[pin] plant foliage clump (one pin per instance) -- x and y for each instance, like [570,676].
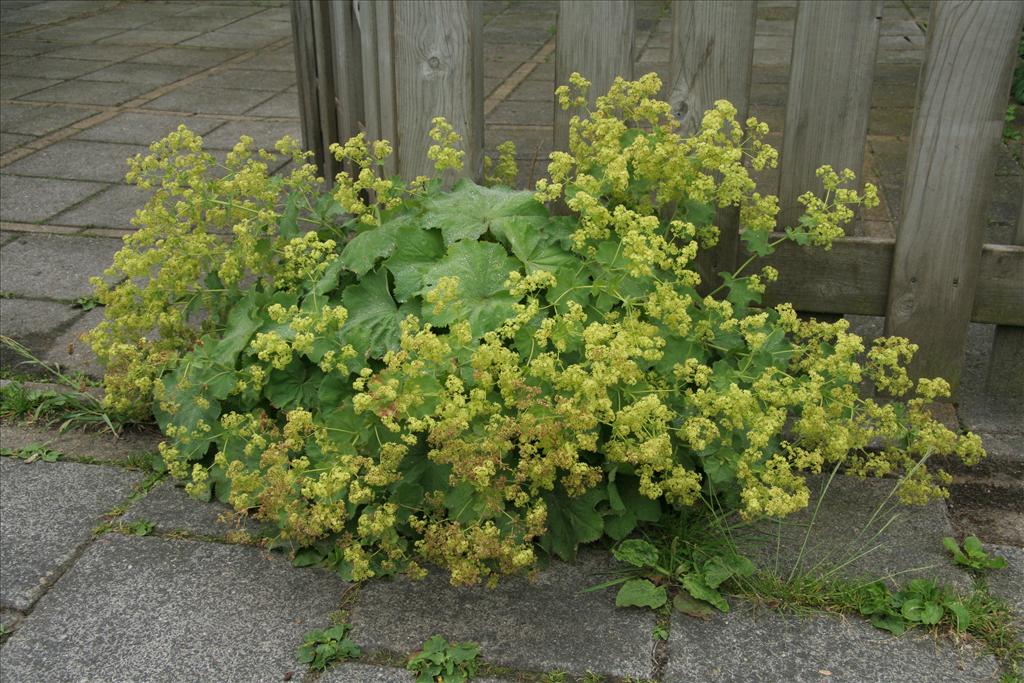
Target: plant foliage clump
[396,372]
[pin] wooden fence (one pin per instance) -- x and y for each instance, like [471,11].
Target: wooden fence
[389,66]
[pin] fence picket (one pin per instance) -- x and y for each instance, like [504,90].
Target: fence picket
[834,46]
[711,56]
[596,39]
[957,127]
[305,66]
[347,69]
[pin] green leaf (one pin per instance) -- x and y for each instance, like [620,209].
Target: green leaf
[373,321]
[482,269]
[690,606]
[537,251]
[740,294]
[757,241]
[960,613]
[636,552]
[572,521]
[470,210]
[891,623]
[696,587]
[641,593]
[237,333]
[416,252]
[617,527]
[362,253]
[296,385]
[288,226]
[307,557]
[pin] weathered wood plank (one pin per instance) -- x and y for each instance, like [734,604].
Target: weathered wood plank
[852,278]
[961,102]
[438,71]
[323,54]
[348,69]
[375,24]
[305,66]
[833,63]
[595,39]
[1006,363]
[711,56]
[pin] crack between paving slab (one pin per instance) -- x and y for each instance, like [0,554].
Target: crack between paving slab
[108,112]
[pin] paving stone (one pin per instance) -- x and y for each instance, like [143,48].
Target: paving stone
[49,510]
[32,323]
[284,105]
[535,89]
[78,160]
[198,24]
[258,25]
[52,67]
[36,119]
[240,41]
[30,200]
[102,53]
[171,610]
[907,548]
[10,619]
[520,112]
[195,98]
[187,56]
[170,508]
[273,60]
[150,74]
[113,19]
[368,673]
[9,141]
[263,133]
[148,36]
[753,645]
[1008,583]
[549,624]
[113,208]
[96,445]
[528,139]
[220,11]
[139,128]
[57,266]
[13,86]
[250,79]
[24,47]
[980,411]
[70,34]
[90,92]
[71,352]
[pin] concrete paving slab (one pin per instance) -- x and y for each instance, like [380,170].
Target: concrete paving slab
[172,610]
[284,104]
[25,47]
[368,673]
[94,445]
[102,53]
[53,67]
[194,98]
[264,133]
[908,547]
[14,86]
[89,92]
[56,266]
[751,645]
[549,624]
[33,323]
[78,160]
[9,141]
[49,511]
[250,79]
[32,200]
[71,352]
[112,208]
[187,55]
[272,60]
[198,24]
[149,36]
[150,74]
[10,619]
[1008,583]
[36,119]
[140,128]
[170,508]
[239,41]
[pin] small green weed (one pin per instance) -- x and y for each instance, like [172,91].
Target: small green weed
[142,527]
[321,648]
[442,662]
[86,303]
[33,452]
[973,555]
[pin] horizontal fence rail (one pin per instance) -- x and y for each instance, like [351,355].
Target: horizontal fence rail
[388,67]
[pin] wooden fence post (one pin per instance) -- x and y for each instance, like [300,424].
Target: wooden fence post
[711,57]
[1006,363]
[325,50]
[347,68]
[595,39]
[375,24]
[961,103]
[834,46]
[305,66]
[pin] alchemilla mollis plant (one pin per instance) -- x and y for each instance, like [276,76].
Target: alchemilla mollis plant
[397,373]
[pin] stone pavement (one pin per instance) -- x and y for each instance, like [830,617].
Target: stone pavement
[86,83]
